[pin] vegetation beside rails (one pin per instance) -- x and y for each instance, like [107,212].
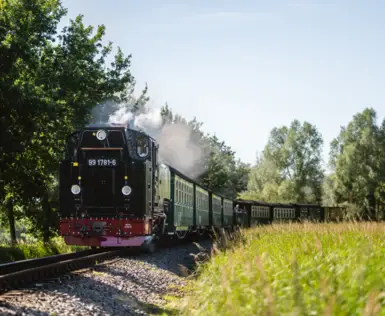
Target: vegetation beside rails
[34,249]
[300,269]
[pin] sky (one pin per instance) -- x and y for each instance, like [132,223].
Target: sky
[245,67]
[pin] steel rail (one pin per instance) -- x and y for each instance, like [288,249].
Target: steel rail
[9,267]
[63,264]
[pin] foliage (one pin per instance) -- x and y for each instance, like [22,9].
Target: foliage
[48,87]
[289,168]
[223,173]
[22,226]
[35,249]
[302,269]
[328,192]
[26,28]
[357,160]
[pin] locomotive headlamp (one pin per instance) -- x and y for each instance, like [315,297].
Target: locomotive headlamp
[101,134]
[75,189]
[126,190]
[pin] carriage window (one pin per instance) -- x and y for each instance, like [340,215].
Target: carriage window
[142,147]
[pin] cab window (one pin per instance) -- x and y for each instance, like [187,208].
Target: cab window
[142,148]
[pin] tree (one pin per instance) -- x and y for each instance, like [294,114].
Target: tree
[289,169]
[380,190]
[328,190]
[263,173]
[47,89]
[357,159]
[238,179]
[224,174]
[219,163]
[215,166]
[25,27]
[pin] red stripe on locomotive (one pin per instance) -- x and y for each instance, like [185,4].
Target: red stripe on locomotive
[105,232]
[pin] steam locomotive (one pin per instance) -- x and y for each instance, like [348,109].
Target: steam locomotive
[115,193]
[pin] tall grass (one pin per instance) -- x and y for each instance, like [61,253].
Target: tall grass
[295,269]
[29,246]
[34,249]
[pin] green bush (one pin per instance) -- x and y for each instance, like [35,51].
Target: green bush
[31,250]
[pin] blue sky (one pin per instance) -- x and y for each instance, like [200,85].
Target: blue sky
[244,67]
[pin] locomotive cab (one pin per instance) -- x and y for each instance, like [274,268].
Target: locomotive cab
[107,185]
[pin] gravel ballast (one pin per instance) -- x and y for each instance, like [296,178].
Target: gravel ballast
[124,286]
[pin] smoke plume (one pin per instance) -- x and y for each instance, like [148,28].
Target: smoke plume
[181,149]
[121,117]
[179,145]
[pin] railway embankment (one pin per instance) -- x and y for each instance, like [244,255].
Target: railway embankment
[140,284]
[305,269]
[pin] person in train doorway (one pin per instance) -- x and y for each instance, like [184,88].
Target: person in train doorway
[238,214]
[239,210]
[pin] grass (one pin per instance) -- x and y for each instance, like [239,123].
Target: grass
[294,269]
[35,249]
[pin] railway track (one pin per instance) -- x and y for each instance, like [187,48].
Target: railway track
[19,273]
[16,274]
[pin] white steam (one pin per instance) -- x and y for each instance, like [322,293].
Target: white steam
[150,121]
[180,149]
[121,117]
[179,146]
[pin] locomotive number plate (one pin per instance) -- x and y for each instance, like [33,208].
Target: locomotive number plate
[101,162]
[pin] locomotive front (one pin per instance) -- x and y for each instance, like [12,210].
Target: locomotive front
[107,187]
